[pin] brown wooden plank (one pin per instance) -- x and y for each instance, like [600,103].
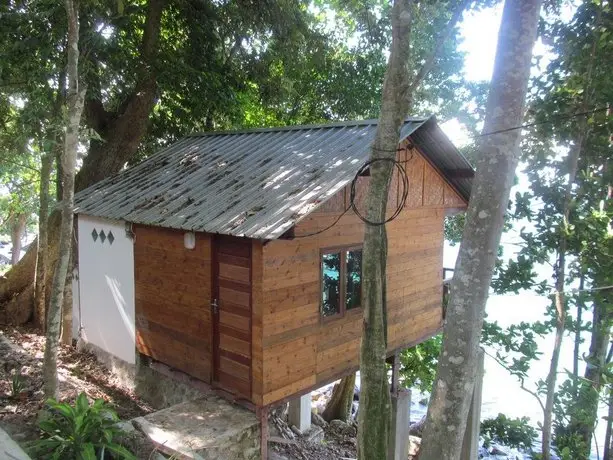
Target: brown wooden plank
[172,299]
[237,386]
[239,322]
[234,345]
[234,368]
[235,273]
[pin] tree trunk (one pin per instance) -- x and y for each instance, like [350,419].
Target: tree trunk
[499,155]
[374,415]
[18,228]
[339,406]
[585,411]
[75,99]
[66,331]
[121,131]
[577,344]
[584,414]
[559,296]
[608,439]
[41,254]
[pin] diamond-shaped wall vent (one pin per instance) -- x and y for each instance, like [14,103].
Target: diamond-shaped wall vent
[111,237]
[94,235]
[102,236]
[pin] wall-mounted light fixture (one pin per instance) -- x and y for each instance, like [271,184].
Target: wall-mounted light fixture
[189,239]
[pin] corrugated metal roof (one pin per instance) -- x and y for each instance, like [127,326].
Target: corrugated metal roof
[254,183]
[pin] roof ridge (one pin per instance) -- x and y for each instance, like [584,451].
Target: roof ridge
[335,124]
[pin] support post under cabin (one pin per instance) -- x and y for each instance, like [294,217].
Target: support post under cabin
[399,433]
[470,445]
[299,412]
[401,406]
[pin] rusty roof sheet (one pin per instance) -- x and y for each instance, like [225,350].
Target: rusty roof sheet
[256,183]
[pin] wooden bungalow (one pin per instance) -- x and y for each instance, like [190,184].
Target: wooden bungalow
[234,257]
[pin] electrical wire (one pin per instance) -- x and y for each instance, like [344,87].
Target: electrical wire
[405,190]
[352,201]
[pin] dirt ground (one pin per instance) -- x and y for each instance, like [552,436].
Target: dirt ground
[21,350]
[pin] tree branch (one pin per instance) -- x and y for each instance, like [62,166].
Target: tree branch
[521,380]
[440,41]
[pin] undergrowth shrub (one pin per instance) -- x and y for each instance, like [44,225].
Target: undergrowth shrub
[80,431]
[512,432]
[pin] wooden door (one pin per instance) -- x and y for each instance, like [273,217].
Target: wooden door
[172,294]
[232,314]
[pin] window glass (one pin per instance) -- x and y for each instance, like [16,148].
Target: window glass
[331,274]
[353,275]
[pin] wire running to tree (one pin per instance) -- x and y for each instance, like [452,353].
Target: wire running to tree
[353,190]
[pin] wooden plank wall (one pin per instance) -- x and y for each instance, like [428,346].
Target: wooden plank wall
[298,350]
[173,292]
[233,335]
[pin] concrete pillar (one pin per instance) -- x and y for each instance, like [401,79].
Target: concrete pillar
[399,431]
[299,413]
[470,445]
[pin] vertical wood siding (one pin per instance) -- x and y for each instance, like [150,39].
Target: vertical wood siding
[298,350]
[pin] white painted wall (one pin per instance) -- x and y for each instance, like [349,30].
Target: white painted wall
[106,287]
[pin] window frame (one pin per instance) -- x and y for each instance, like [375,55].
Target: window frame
[342,280]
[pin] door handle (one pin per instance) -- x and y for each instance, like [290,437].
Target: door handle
[215,306]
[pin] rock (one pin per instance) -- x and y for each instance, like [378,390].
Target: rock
[497,451]
[10,449]
[414,446]
[343,428]
[296,431]
[314,435]
[423,401]
[417,427]
[18,310]
[183,430]
[338,425]
[125,426]
[318,420]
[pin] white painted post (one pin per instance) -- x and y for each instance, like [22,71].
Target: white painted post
[299,413]
[399,433]
[470,446]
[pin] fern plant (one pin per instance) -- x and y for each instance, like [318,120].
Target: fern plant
[80,432]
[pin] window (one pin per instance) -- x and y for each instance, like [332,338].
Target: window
[341,281]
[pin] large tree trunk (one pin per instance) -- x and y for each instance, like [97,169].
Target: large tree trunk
[41,254]
[341,401]
[121,130]
[374,415]
[499,155]
[17,223]
[75,99]
[577,344]
[608,438]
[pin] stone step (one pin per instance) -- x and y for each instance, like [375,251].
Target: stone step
[203,429]
[9,449]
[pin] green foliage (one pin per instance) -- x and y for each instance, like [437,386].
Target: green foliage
[418,364]
[17,383]
[81,431]
[515,347]
[512,432]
